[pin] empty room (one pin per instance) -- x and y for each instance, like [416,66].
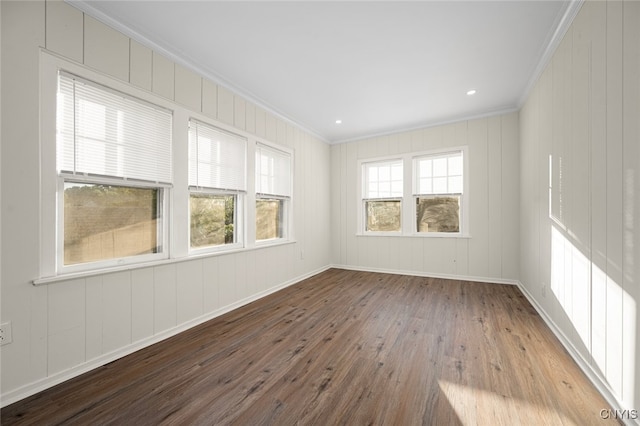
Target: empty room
[319,212]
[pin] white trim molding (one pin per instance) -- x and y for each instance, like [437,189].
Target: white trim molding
[550,46]
[57,378]
[487,280]
[594,377]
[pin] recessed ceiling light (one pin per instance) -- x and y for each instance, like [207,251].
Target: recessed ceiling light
[471,92]
[338,121]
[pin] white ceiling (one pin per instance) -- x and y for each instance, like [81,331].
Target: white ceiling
[378,66]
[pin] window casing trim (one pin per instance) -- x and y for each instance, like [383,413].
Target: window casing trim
[238,222]
[176,193]
[408,215]
[287,200]
[162,230]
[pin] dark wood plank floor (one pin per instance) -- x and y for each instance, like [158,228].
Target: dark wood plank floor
[343,347]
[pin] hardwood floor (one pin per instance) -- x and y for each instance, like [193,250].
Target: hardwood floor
[343,347]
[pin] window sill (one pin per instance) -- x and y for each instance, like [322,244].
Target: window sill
[134,266]
[271,243]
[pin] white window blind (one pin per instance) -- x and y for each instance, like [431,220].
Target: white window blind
[104,132]
[383,179]
[217,159]
[273,171]
[439,174]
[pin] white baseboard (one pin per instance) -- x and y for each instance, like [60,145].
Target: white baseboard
[40,385]
[584,365]
[57,378]
[428,274]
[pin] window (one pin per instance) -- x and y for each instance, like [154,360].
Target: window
[273,192]
[417,194]
[129,179]
[114,167]
[110,221]
[438,191]
[217,186]
[383,189]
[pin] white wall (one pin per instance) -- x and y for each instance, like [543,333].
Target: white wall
[580,244]
[64,328]
[492,251]
[574,248]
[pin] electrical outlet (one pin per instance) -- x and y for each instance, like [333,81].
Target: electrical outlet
[544,290]
[5,334]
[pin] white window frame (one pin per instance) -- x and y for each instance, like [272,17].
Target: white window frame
[162,227]
[408,203]
[52,182]
[238,221]
[176,195]
[362,214]
[463,195]
[240,200]
[287,214]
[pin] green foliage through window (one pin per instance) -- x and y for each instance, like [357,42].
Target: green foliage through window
[212,219]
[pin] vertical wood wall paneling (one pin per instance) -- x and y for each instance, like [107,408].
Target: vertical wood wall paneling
[598,115]
[614,196]
[300,223]
[116,311]
[510,178]
[141,65]
[478,199]
[453,256]
[350,188]
[589,260]
[561,250]
[163,76]
[338,199]
[64,30]
[23,32]
[545,145]
[227,277]
[209,98]
[580,156]
[631,204]
[164,292]
[306,200]
[252,273]
[250,117]
[261,123]
[66,322]
[271,132]
[494,189]
[281,132]
[105,49]
[240,282]
[239,112]
[528,208]
[188,88]
[142,304]
[94,318]
[211,289]
[190,291]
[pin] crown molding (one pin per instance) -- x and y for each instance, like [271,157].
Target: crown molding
[563,22]
[427,125]
[86,7]
[554,39]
